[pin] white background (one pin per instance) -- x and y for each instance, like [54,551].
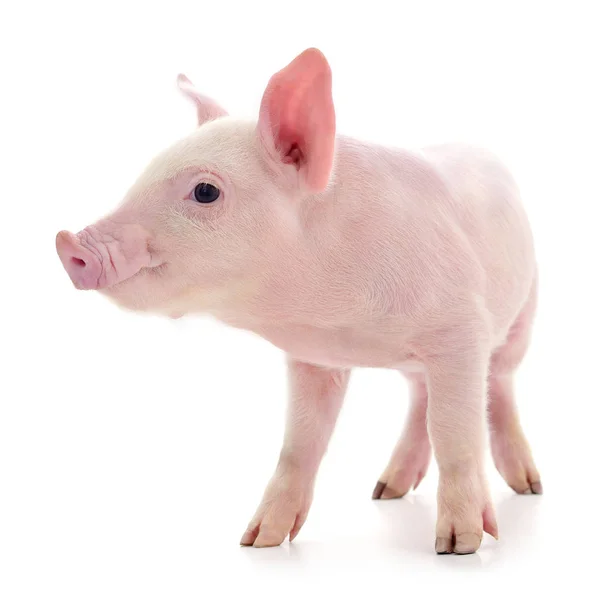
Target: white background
[133,450]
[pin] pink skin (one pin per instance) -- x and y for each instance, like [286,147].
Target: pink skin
[411,455]
[510,449]
[105,253]
[315,400]
[344,254]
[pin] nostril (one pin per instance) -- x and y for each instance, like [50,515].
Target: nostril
[78,262]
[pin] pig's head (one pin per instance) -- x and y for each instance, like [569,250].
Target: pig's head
[208,219]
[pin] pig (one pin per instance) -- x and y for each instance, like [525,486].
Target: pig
[343,254]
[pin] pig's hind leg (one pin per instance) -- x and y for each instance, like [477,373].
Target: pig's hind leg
[510,449]
[411,455]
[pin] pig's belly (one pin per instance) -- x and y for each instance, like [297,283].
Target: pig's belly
[342,348]
[352,347]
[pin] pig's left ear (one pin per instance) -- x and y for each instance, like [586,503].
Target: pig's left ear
[207,109]
[297,121]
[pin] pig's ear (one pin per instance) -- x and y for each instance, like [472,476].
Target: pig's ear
[207,109]
[297,121]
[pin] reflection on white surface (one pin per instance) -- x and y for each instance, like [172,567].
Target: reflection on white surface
[402,531]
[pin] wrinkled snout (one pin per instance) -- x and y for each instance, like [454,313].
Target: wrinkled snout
[95,260]
[82,265]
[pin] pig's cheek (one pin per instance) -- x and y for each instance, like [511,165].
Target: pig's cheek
[139,294]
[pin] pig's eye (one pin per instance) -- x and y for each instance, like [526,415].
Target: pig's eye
[205,193]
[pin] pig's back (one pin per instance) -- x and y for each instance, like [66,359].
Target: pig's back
[404,232]
[486,205]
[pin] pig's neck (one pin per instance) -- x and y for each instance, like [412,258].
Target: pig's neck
[308,281]
[279,294]
[332,271]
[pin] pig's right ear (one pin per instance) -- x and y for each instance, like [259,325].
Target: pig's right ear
[297,121]
[207,109]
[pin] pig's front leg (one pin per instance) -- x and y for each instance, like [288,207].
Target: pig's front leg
[316,396]
[457,428]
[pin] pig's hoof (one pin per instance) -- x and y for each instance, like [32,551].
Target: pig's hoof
[402,474]
[515,463]
[534,487]
[383,492]
[464,543]
[465,512]
[282,513]
[262,537]
[268,531]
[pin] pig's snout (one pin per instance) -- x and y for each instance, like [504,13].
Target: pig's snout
[83,267]
[94,263]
